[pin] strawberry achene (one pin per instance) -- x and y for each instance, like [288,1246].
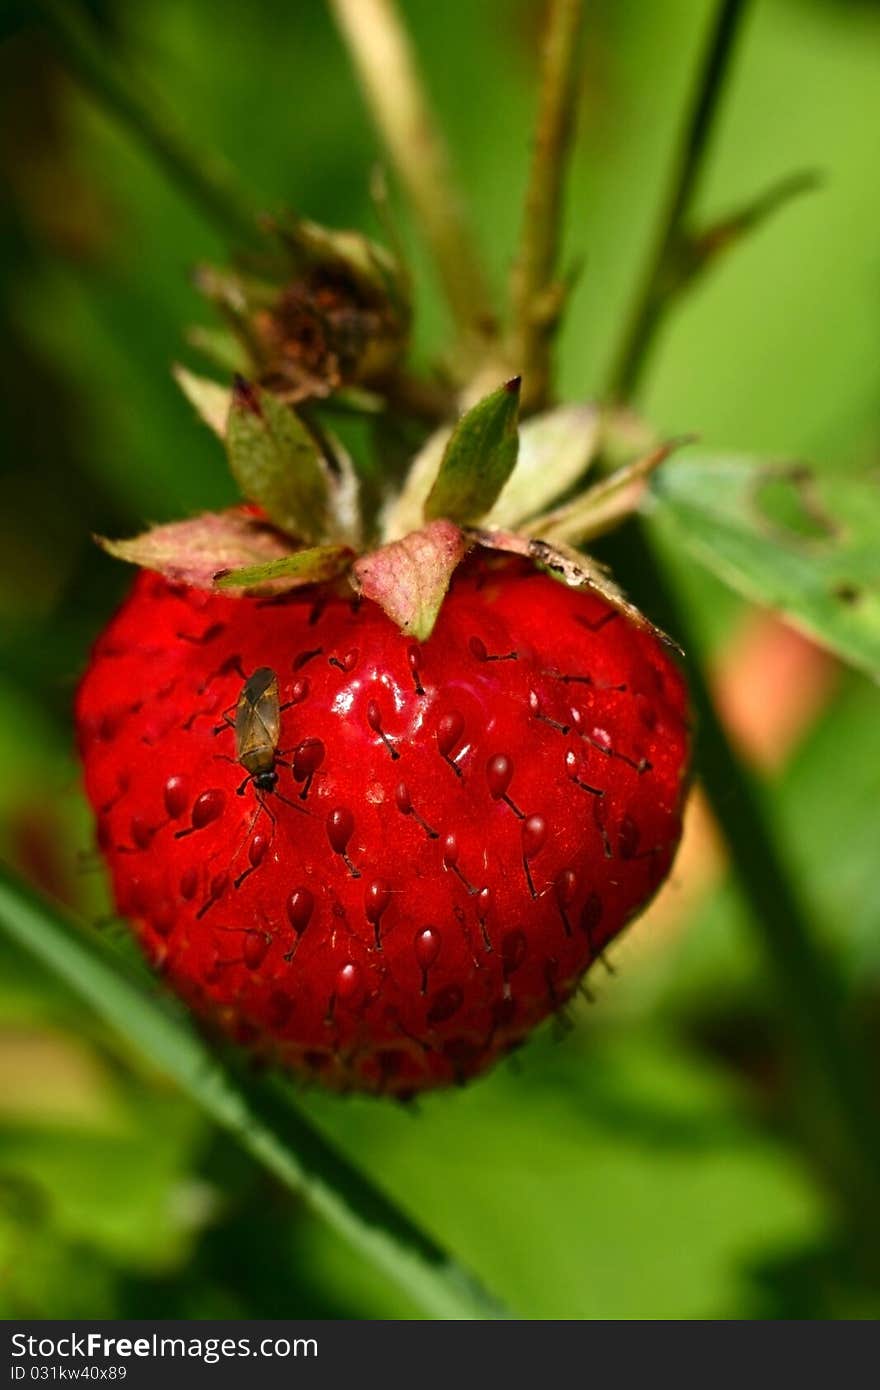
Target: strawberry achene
[460,826]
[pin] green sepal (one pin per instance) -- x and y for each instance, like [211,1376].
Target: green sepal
[208,398]
[277,463]
[221,347]
[195,551]
[409,578]
[315,565]
[478,459]
[556,450]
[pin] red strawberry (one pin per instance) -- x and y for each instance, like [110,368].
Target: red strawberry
[458,828]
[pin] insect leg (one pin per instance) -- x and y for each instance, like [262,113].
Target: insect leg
[288,802]
[227,722]
[255,861]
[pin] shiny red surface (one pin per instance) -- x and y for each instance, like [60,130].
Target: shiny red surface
[465,823]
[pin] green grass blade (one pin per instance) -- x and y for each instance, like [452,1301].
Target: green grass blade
[257,1112]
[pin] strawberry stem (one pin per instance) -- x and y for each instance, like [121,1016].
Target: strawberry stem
[659,286]
[535,295]
[385,63]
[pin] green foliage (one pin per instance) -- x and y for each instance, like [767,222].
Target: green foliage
[627,1169]
[599,1155]
[261,1118]
[95,1188]
[119,1187]
[788,537]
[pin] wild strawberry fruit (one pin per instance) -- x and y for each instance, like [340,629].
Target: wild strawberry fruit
[458,828]
[377,785]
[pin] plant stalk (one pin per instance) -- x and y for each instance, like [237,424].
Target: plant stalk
[385,63]
[658,285]
[536,297]
[807,978]
[205,180]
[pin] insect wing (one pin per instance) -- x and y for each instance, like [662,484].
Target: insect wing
[257,714]
[267,714]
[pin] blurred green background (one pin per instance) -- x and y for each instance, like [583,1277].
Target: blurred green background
[655,1161]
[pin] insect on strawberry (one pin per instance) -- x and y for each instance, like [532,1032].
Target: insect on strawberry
[488,762]
[257,729]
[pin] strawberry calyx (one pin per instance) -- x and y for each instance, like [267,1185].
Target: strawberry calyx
[485,480]
[304,523]
[319,312]
[409,578]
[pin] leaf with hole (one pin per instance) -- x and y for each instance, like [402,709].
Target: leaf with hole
[785,536]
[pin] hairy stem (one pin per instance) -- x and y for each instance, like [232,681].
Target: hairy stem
[806,978]
[205,179]
[383,57]
[535,295]
[658,287]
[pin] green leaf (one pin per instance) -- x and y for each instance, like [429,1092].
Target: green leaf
[478,459]
[600,1152]
[276,462]
[196,551]
[312,566]
[787,537]
[42,1275]
[135,1214]
[208,398]
[409,577]
[259,1113]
